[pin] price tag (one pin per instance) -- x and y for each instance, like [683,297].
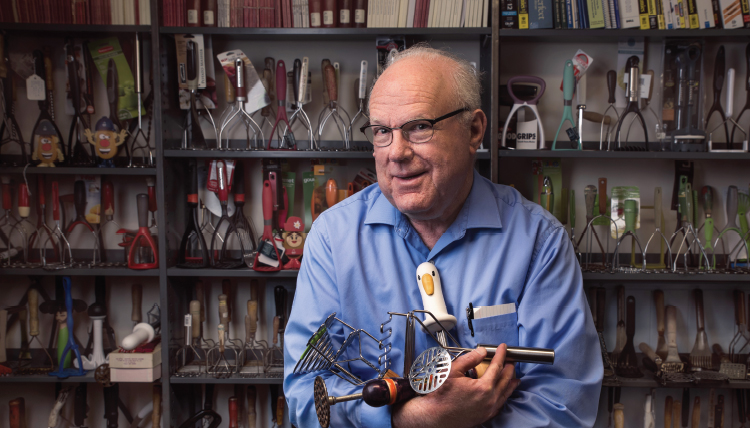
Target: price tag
[188,321]
[35,90]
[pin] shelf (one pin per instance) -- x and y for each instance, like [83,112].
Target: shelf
[286,34]
[44,30]
[666,277]
[612,34]
[228,273]
[97,271]
[79,171]
[87,378]
[230,381]
[278,154]
[596,154]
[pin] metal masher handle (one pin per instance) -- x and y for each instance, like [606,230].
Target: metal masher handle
[138,78]
[602,195]
[363,80]
[222,178]
[730,94]
[33,298]
[108,198]
[657,206]
[239,72]
[195,314]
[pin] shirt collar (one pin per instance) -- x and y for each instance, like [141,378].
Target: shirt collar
[474,213]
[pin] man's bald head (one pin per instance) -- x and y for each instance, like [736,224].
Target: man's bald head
[460,77]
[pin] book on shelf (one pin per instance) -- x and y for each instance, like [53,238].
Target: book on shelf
[79,12]
[540,14]
[523,14]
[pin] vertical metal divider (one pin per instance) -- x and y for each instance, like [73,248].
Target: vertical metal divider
[161,212]
[495,88]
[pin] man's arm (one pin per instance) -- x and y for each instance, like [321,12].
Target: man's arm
[316,298]
[553,313]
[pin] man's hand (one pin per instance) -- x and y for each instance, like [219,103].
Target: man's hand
[462,401]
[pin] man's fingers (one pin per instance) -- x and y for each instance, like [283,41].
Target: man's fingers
[468,361]
[496,365]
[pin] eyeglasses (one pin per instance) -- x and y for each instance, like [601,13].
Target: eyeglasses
[415,131]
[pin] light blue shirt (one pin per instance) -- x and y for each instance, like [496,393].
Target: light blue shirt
[360,262]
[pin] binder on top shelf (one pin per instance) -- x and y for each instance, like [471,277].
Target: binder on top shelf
[643,14]
[595,13]
[660,15]
[692,10]
[509,14]
[653,22]
[523,14]
[540,14]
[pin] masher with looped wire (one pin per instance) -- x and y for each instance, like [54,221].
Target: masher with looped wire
[240,94]
[299,86]
[43,234]
[219,256]
[139,140]
[333,108]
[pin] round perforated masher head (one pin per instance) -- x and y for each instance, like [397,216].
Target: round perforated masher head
[430,370]
[322,408]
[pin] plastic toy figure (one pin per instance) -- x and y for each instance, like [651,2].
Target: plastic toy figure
[105,141]
[47,145]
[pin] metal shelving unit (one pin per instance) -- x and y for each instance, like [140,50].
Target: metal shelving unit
[94,271]
[79,171]
[228,381]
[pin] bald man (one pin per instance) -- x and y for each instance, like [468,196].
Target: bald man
[492,248]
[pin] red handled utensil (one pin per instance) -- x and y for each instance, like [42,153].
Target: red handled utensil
[267,245]
[143,239]
[281,110]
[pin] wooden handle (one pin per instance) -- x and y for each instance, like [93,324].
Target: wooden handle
[252,316]
[233,412]
[228,89]
[648,351]
[330,81]
[668,412]
[137,294]
[223,310]
[156,416]
[17,413]
[323,64]
[48,68]
[280,410]
[33,312]
[251,394]
[602,195]
[619,415]
[275,330]
[659,303]
[671,326]
[677,414]
[266,80]
[195,313]
[695,420]
[200,296]
[481,368]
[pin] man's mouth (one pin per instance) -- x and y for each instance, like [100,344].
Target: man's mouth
[410,176]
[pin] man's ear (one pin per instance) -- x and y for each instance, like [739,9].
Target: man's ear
[477,127]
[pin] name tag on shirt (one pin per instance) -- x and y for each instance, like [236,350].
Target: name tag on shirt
[491,311]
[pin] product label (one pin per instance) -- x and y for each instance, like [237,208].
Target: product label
[192,17]
[327,17]
[35,88]
[344,16]
[208,17]
[315,19]
[359,16]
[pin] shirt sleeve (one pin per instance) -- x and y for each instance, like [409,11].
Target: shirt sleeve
[316,297]
[553,313]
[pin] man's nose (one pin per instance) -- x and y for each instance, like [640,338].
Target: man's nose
[400,148]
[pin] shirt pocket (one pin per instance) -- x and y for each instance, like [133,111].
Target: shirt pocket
[497,329]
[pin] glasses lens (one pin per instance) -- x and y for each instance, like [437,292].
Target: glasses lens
[378,135]
[418,131]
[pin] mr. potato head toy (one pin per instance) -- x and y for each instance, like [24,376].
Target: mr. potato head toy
[105,141]
[294,241]
[47,150]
